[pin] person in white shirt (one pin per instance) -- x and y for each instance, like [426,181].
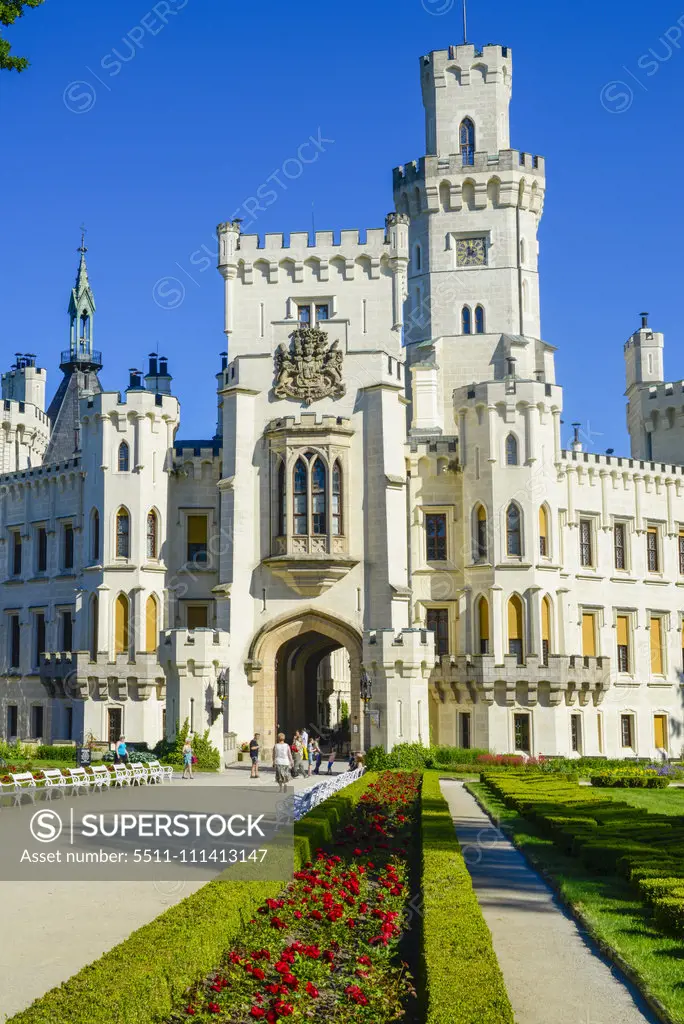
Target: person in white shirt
[282,762]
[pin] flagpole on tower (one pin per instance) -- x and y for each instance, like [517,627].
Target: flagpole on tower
[465,23]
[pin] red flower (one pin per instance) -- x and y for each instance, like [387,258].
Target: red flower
[284,1009]
[256,1011]
[190,1010]
[213,1008]
[311,990]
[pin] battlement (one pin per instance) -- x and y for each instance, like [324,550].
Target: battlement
[510,389]
[30,475]
[389,646]
[426,169]
[492,57]
[14,413]
[299,242]
[202,449]
[441,445]
[309,421]
[137,400]
[617,462]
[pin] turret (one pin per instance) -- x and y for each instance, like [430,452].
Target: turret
[654,418]
[25,382]
[644,356]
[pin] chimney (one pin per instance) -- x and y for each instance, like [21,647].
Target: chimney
[158,379]
[135,379]
[576,445]
[224,360]
[153,364]
[644,321]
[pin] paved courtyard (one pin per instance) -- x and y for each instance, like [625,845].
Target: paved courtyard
[53,929]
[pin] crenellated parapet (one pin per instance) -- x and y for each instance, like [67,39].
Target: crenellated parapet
[77,675]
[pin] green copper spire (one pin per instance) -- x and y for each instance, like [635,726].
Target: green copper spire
[81,315]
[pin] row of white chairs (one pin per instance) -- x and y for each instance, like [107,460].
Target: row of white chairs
[78,780]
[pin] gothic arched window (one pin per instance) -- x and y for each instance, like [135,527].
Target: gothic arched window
[123,533]
[511,450]
[480,552]
[95,535]
[319,497]
[121,625]
[337,500]
[479,320]
[152,524]
[282,498]
[124,457]
[515,628]
[513,531]
[466,321]
[300,516]
[466,136]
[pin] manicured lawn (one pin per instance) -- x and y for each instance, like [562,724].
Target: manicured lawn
[658,801]
[608,905]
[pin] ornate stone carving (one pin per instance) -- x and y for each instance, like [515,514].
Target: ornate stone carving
[310,369]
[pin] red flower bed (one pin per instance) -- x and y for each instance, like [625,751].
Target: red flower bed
[327,947]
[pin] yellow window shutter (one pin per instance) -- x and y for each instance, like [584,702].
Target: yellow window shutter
[514,619]
[656,646]
[482,514]
[484,619]
[121,641]
[588,635]
[622,631]
[660,731]
[197,529]
[546,619]
[543,526]
[151,624]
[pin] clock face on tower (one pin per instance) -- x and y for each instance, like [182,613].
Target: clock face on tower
[471,252]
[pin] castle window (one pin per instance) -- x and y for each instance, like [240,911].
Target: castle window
[300,515]
[282,501]
[543,531]
[627,730]
[515,628]
[622,627]
[513,531]
[12,721]
[39,644]
[337,500]
[121,625]
[435,537]
[417,256]
[322,312]
[197,540]
[545,629]
[521,730]
[480,533]
[319,497]
[619,546]
[588,635]
[466,321]
[466,136]
[68,539]
[585,541]
[483,624]
[152,524]
[94,626]
[123,534]
[652,549]
[67,630]
[576,733]
[41,539]
[151,624]
[124,457]
[660,732]
[656,644]
[437,620]
[479,320]
[680,540]
[511,450]
[95,535]
[304,314]
[16,553]
[14,641]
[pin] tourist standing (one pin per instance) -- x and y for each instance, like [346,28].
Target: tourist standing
[331,760]
[297,754]
[254,755]
[315,755]
[283,762]
[187,758]
[121,751]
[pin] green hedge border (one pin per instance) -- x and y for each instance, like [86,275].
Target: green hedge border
[462,980]
[144,978]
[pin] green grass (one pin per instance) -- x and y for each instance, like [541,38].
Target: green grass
[657,801]
[608,905]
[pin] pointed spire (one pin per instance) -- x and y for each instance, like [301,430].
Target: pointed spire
[81,317]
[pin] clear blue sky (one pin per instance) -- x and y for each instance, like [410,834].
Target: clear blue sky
[155,151]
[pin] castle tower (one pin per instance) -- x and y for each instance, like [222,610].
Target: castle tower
[475,206]
[79,364]
[654,416]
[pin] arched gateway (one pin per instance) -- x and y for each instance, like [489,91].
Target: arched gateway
[283,661]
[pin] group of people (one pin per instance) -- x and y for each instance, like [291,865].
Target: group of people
[301,757]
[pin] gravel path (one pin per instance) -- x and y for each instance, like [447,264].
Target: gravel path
[552,973]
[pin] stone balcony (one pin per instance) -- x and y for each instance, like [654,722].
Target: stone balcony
[76,675]
[477,677]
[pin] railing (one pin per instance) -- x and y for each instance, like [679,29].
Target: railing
[310,798]
[83,356]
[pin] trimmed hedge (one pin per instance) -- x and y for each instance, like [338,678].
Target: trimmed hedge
[144,978]
[609,837]
[462,980]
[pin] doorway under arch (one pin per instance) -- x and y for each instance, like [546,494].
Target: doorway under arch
[283,665]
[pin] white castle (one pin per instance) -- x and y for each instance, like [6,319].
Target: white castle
[385,516]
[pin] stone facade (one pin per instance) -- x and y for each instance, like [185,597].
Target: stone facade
[385,499]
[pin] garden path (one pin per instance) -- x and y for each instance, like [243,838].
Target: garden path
[552,972]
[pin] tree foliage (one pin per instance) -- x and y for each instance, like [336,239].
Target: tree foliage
[10,10]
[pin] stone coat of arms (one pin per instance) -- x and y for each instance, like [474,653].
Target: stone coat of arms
[310,368]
